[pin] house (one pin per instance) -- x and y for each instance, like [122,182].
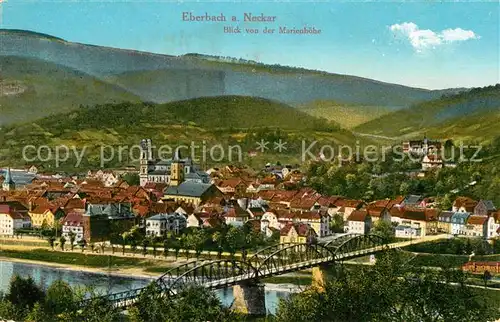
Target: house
[73,222]
[477,226]
[464,204]
[233,187]
[269,220]
[494,225]
[406,231]
[432,161]
[34,169]
[13,215]
[347,206]
[422,147]
[297,233]
[412,201]
[378,213]
[359,222]
[318,220]
[444,222]
[484,208]
[102,219]
[459,222]
[194,220]
[43,213]
[421,221]
[236,216]
[159,225]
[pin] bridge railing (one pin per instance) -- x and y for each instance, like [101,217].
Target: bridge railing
[271,260]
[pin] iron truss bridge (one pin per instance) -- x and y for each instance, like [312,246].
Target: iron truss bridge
[270,261]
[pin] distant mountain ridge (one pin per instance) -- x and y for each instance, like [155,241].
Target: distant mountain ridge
[165,78]
[471,113]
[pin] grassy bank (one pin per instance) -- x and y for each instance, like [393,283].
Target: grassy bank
[78,259]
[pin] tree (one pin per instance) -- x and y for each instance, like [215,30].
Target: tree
[132,179]
[152,242]
[235,239]
[145,244]
[72,238]
[193,303]
[391,290]
[62,241]
[337,224]
[166,244]
[51,240]
[60,298]
[384,229]
[24,293]
[82,243]
[125,237]
[37,314]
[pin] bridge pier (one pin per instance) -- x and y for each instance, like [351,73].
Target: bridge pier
[319,277]
[249,299]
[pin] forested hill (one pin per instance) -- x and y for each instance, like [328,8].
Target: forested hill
[473,113]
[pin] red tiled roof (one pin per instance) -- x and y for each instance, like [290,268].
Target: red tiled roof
[302,229]
[477,220]
[358,215]
[468,203]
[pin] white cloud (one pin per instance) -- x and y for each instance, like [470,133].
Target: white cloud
[425,38]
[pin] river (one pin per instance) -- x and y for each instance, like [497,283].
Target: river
[108,283]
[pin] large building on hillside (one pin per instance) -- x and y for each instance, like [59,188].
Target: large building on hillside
[159,170]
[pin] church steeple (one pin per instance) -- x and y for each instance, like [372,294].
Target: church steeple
[8,183]
[176,169]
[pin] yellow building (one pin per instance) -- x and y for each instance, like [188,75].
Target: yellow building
[45,216]
[297,233]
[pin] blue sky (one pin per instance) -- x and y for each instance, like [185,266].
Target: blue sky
[422,44]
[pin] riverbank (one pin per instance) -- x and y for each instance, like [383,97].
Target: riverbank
[123,271]
[122,266]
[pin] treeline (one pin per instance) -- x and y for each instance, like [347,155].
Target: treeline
[473,92]
[391,290]
[26,301]
[388,178]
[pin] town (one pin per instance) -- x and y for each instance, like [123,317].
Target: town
[172,196]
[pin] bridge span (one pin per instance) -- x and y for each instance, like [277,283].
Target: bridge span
[270,261]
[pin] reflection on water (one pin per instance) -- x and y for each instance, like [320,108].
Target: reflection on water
[104,283]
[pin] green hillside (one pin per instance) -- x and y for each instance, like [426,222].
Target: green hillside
[347,115]
[471,114]
[31,88]
[225,120]
[166,78]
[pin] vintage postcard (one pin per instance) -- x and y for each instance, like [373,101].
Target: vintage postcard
[166,160]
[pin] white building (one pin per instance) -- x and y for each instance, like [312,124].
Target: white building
[402,231]
[73,222]
[13,216]
[358,222]
[159,225]
[459,222]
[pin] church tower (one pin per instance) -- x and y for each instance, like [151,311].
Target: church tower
[176,169]
[8,184]
[146,156]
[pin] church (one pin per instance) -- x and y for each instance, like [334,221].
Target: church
[161,171]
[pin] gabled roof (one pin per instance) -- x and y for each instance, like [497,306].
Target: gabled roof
[188,189]
[302,229]
[468,203]
[358,215]
[490,207]
[477,220]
